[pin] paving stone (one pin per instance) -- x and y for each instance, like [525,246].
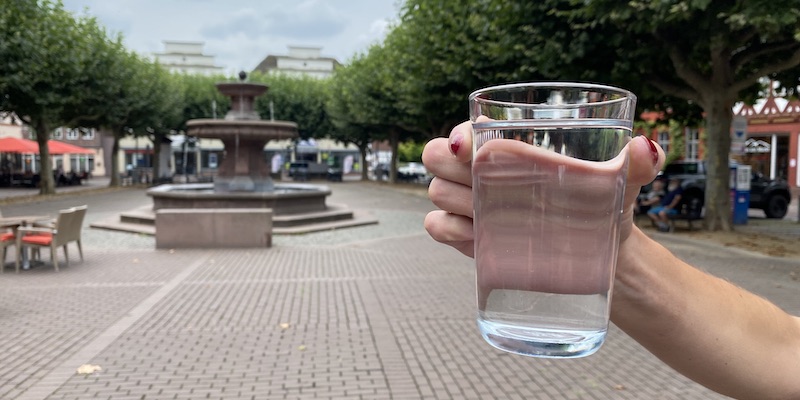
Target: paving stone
[376,312]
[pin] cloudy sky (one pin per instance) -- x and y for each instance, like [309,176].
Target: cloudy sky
[241,33]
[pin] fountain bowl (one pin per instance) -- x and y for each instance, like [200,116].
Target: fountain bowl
[285,199]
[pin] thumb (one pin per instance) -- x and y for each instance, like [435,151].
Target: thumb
[645,161]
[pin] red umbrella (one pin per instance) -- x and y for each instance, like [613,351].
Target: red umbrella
[18,145]
[57,147]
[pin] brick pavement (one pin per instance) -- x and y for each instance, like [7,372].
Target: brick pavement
[378,312]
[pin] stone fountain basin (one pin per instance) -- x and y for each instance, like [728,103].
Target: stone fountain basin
[285,199]
[243,128]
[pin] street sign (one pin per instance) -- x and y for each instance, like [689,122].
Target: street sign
[738,134]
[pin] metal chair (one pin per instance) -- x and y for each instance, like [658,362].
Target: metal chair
[67,229]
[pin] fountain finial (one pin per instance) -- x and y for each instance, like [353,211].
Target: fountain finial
[242,76]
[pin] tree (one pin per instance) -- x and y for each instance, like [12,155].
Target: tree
[47,69]
[344,99]
[678,56]
[200,97]
[300,99]
[365,102]
[708,53]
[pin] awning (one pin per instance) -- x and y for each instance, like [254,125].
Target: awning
[18,145]
[26,146]
[57,147]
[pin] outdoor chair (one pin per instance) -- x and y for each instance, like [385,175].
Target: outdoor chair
[67,229]
[7,238]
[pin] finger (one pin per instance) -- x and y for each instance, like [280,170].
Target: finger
[452,197]
[644,162]
[441,163]
[646,159]
[460,141]
[451,229]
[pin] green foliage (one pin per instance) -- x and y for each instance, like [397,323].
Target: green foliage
[300,99]
[200,96]
[53,70]
[677,142]
[410,151]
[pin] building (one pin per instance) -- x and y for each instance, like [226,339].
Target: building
[770,141]
[773,138]
[307,61]
[187,57]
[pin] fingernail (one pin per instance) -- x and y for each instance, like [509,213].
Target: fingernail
[653,150]
[455,143]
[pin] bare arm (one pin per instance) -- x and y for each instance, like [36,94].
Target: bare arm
[709,330]
[715,333]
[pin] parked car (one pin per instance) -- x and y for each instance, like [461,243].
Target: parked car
[305,170]
[772,196]
[298,170]
[412,172]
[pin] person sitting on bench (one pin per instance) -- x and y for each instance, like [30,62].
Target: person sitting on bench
[669,206]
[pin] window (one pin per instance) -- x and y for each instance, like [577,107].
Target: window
[663,140]
[692,144]
[72,134]
[87,133]
[58,133]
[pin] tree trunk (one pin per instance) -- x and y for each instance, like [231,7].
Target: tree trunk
[46,181]
[362,149]
[115,162]
[394,141]
[719,115]
[156,158]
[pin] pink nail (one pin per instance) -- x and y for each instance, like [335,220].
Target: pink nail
[455,144]
[653,150]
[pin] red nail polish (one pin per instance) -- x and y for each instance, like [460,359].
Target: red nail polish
[653,150]
[456,144]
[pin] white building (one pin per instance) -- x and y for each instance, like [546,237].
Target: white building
[187,57]
[300,61]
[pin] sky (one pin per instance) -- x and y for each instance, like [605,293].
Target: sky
[241,33]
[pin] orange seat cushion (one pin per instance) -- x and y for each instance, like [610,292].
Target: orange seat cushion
[42,240]
[7,236]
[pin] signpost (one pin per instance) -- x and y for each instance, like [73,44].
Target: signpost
[738,134]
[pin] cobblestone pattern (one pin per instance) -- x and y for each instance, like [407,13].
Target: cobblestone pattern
[371,322]
[379,312]
[44,316]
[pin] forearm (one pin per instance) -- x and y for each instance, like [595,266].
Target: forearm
[713,332]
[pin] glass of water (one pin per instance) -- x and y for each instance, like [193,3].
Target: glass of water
[549,166]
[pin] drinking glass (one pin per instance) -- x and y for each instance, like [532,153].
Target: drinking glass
[549,165]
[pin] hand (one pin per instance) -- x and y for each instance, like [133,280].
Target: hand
[451,189]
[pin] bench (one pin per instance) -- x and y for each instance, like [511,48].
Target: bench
[690,210]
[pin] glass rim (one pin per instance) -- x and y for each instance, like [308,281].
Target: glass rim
[474,96]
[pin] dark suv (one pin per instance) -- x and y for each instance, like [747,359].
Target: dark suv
[772,196]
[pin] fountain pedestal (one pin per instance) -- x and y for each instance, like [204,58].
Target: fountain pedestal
[243,167]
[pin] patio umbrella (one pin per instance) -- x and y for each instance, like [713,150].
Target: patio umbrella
[57,147]
[18,145]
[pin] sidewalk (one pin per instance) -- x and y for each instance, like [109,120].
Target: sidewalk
[378,312]
[89,184]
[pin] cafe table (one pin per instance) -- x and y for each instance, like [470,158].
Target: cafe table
[23,220]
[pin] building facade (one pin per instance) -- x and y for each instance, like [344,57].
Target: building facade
[770,141]
[773,138]
[187,57]
[301,61]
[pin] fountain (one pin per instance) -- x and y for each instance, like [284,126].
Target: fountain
[243,190]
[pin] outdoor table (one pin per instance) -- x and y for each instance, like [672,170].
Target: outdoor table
[15,222]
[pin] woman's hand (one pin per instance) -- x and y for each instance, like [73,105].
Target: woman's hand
[451,189]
